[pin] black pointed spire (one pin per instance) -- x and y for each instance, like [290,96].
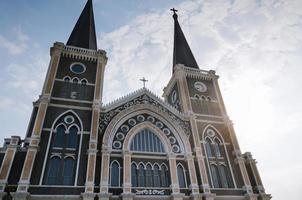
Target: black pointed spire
[83,34]
[182,53]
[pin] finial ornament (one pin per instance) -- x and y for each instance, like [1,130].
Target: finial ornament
[144,81]
[174,11]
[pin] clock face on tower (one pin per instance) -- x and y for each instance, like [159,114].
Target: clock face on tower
[200,86]
[174,97]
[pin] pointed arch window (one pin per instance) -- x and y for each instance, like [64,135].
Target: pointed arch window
[63,152]
[59,136]
[67,79]
[146,141]
[156,177]
[149,182]
[141,176]
[181,177]
[164,176]
[217,148]
[115,174]
[219,166]
[215,177]
[134,175]
[72,137]
[208,148]
[53,171]
[69,165]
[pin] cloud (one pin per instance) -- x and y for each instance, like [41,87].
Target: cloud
[16,46]
[27,78]
[255,46]
[11,104]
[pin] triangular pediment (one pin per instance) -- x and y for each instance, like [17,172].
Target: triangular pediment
[141,96]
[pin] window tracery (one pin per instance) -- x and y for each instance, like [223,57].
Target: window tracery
[149,175]
[146,141]
[115,171]
[63,152]
[217,159]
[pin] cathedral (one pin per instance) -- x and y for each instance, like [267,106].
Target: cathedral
[182,146]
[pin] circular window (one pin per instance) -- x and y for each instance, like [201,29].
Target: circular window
[117,144]
[172,140]
[159,124]
[151,119]
[125,128]
[77,68]
[69,119]
[174,96]
[210,132]
[201,87]
[132,122]
[140,118]
[120,136]
[175,148]
[166,131]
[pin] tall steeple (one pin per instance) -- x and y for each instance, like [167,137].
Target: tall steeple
[83,34]
[182,53]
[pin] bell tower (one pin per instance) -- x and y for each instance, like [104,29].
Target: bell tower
[70,100]
[196,93]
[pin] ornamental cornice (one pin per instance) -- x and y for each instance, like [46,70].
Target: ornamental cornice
[80,53]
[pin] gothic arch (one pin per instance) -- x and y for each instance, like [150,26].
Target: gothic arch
[136,129]
[53,129]
[221,139]
[124,115]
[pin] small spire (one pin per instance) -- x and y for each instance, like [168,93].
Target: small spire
[83,34]
[182,53]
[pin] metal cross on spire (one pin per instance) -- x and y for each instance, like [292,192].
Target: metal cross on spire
[144,81]
[174,10]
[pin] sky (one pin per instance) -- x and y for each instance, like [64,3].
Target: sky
[255,46]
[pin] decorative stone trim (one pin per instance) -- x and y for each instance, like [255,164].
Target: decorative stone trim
[82,53]
[146,99]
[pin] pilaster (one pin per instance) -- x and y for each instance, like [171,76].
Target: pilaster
[173,174]
[92,151]
[241,162]
[193,178]
[127,172]
[8,161]
[104,184]
[38,125]
[252,163]
[184,95]
[203,172]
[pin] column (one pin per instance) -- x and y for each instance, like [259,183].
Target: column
[183,88]
[8,159]
[176,195]
[127,193]
[193,178]
[92,151]
[104,183]
[240,160]
[252,163]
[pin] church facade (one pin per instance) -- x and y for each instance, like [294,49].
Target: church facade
[137,147]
